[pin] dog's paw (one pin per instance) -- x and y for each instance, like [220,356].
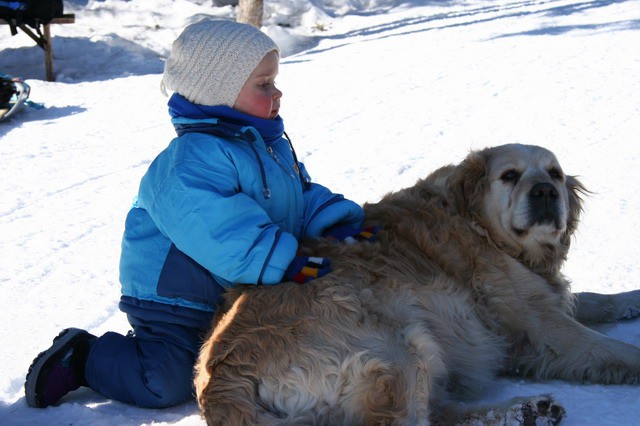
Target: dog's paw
[534,411]
[537,411]
[631,313]
[626,305]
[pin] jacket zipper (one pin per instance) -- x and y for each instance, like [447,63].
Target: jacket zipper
[275,157]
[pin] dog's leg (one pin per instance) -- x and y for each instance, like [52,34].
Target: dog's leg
[538,410]
[560,347]
[595,308]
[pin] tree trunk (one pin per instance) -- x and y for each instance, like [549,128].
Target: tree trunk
[250,12]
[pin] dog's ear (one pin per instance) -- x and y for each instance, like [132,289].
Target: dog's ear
[576,190]
[468,183]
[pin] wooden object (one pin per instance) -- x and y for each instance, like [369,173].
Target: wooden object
[43,39]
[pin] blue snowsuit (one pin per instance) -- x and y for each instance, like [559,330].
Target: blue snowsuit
[225,203]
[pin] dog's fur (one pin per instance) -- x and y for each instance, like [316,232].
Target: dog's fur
[462,285]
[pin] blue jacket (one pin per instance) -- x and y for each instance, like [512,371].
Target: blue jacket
[220,206]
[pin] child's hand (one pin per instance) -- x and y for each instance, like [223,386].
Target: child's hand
[352,235]
[305,268]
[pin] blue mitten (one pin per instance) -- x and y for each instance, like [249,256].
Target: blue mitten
[303,269]
[352,235]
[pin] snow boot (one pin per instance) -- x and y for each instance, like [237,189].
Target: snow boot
[58,370]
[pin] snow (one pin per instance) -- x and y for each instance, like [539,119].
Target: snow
[377,93]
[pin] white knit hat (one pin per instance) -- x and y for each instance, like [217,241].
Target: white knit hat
[212,59]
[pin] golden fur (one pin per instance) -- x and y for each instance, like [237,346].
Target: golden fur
[463,284]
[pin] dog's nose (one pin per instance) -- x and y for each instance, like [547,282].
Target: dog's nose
[544,190]
[543,204]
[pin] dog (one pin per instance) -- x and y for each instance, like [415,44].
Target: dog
[462,285]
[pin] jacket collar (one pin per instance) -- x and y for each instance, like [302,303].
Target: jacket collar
[223,118]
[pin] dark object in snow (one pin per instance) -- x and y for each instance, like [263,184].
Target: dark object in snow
[14,94]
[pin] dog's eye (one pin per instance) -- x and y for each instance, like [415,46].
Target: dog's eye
[556,174]
[510,176]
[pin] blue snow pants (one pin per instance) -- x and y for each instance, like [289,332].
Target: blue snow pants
[151,368]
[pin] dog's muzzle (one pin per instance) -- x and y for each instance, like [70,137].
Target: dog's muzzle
[543,205]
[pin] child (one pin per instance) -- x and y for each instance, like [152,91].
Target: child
[225,203]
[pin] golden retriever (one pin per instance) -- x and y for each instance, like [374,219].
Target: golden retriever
[463,284]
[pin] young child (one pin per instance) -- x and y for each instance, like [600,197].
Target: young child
[225,203]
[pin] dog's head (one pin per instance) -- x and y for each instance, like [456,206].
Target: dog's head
[523,199]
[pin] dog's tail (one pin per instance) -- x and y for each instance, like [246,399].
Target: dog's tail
[374,392]
[395,388]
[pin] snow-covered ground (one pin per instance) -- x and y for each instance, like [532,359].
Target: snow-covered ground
[377,94]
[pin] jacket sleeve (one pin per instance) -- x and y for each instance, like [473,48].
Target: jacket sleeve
[226,232]
[324,209]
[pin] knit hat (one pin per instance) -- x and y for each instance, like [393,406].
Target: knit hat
[212,59]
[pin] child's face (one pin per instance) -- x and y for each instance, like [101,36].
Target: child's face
[259,96]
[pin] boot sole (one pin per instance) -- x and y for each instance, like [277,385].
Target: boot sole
[59,344]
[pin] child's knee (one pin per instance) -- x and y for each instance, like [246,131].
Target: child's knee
[168,384]
[166,397]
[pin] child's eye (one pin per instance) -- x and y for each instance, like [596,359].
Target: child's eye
[267,84]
